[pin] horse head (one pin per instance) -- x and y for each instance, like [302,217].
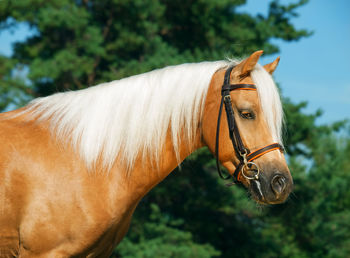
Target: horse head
[247,140]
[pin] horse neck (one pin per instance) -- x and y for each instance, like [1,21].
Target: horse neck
[146,174]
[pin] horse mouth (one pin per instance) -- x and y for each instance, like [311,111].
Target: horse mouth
[256,191]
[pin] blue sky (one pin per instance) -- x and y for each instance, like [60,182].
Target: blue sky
[314,69]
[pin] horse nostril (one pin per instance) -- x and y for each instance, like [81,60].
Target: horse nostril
[278,184]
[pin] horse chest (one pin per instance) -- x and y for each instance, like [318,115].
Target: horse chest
[82,237]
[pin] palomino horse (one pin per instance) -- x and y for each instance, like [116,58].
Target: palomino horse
[74,165]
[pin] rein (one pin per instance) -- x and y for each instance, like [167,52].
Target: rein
[246,166]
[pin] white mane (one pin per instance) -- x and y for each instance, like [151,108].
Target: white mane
[131,116]
[270,101]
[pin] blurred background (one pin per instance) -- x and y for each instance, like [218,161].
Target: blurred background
[56,45]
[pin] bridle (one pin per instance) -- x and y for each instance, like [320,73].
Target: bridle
[246,164]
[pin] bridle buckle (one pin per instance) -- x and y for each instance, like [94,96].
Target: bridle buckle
[227,98]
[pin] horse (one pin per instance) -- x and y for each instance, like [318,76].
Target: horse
[74,165]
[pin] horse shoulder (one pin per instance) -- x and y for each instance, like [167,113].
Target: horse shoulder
[47,193]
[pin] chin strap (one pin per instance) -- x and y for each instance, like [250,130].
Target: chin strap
[246,166]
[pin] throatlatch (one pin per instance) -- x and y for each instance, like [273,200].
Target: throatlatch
[246,166]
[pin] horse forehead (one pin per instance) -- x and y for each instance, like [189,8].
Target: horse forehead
[246,100]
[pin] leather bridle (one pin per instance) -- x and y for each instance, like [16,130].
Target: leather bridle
[245,157]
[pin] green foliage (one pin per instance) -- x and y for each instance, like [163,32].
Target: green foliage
[80,43]
[318,218]
[163,239]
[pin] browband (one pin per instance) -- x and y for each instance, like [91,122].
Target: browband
[232,87]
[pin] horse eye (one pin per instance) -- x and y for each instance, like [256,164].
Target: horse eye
[247,114]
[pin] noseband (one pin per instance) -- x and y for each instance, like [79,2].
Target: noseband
[243,154]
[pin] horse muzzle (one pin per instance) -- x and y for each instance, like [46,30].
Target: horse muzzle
[271,188]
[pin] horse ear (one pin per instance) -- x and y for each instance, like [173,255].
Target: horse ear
[271,67]
[249,63]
